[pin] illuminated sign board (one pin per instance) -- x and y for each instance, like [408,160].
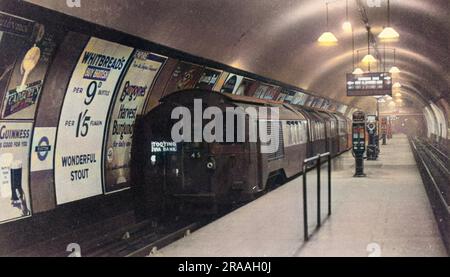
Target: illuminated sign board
[369,84]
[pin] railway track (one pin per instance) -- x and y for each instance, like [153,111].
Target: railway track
[434,169]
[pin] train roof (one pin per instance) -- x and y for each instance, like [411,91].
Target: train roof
[214,98]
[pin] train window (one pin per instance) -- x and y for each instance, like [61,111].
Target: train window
[277,151]
[313,131]
[303,131]
[322,131]
[295,132]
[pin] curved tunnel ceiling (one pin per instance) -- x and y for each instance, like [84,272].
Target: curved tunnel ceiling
[277,39]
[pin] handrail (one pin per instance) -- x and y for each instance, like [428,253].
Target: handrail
[318,160]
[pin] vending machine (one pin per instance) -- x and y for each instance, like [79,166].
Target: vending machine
[384,127]
[359,141]
[373,147]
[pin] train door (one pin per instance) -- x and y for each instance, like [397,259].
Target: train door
[196,177]
[243,157]
[311,139]
[325,132]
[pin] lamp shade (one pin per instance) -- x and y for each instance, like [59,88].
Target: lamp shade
[394,70]
[347,26]
[389,33]
[358,71]
[369,59]
[397,85]
[328,38]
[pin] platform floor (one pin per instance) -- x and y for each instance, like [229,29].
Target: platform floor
[386,214]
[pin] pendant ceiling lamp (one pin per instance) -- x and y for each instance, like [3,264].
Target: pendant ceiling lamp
[368,59]
[347,26]
[358,71]
[327,38]
[397,85]
[395,69]
[389,33]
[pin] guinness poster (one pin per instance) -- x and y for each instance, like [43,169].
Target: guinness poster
[129,104]
[26,49]
[82,125]
[15,138]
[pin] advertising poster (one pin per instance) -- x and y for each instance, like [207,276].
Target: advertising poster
[283,95]
[129,103]
[289,96]
[232,84]
[272,93]
[309,102]
[300,98]
[261,91]
[208,79]
[42,149]
[318,103]
[26,50]
[325,104]
[15,139]
[219,84]
[246,87]
[81,129]
[185,76]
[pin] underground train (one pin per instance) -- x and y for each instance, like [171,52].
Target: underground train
[218,173]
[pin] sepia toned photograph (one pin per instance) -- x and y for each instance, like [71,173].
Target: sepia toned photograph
[225,136]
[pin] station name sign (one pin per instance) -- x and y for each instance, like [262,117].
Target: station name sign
[369,84]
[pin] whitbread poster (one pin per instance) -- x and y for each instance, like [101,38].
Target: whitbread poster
[15,138]
[79,140]
[129,103]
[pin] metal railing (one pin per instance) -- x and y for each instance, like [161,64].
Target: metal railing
[318,163]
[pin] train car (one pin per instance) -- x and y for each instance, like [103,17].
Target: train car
[349,133]
[343,132]
[212,172]
[331,133]
[316,127]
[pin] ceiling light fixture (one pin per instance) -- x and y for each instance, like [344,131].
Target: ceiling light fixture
[347,26]
[358,71]
[395,69]
[327,38]
[397,85]
[389,33]
[368,59]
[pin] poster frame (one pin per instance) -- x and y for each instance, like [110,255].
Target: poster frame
[110,110]
[28,172]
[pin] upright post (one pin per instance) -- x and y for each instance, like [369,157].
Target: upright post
[305,205]
[329,185]
[319,166]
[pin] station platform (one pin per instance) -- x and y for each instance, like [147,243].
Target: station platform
[386,214]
